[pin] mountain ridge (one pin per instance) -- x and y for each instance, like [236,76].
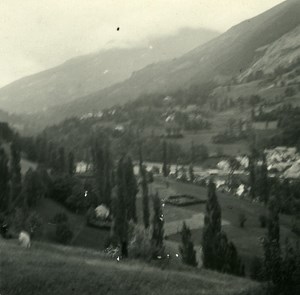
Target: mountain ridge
[220,59]
[86,74]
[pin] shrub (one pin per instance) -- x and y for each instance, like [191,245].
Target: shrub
[90,215]
[34,225]
[256,269]
[140,243]
[60,217]
[263,221]
[242,220]
[64,233]
[186,249]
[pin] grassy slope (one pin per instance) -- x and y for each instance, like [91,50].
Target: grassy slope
[49,269]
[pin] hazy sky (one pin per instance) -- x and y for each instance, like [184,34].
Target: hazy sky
[38,34]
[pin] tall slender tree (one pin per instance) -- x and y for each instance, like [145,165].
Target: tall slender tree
[188,253]
[212,228]
[15,172]
[272,258]
[264,181]
[4,181]
[120,226]
[131,190]
[71,164]
[61,160]
[145,191]
[252,178]
[165,161]
[33,189]
[102,164]
[157,228]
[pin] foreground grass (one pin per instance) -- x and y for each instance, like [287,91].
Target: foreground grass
[50,269]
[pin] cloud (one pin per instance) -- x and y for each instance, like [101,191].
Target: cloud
[37,34]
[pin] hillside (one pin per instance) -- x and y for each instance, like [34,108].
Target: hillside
[87,74]
[218,60]
[50,269]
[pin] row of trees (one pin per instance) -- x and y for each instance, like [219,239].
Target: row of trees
[124,210]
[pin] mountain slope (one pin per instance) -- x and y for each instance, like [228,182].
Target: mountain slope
[220,59]
[282,53]
[87,74]
[50,269]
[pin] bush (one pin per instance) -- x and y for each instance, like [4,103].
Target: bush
[34,225]
[64,233]
[263,221]
[90,215]
[256,269]
[242,220]
[60,218]
[140,243]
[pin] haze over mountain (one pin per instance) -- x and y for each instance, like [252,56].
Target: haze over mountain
[87,74]
[218,60]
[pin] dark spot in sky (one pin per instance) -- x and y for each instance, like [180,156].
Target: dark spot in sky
[118,28]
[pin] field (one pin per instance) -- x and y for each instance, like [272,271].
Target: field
[246,239]
[49,269]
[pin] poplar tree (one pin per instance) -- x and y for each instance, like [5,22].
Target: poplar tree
[4,181]
[157,228]
[15,172]
[145,192]
[212,228]
[120,227]
[188,254]
[102,163]
[191,173]
[272,257]
[165,163]
[61,160]
[33,189]
[264,181]
[131,190]
[71,164]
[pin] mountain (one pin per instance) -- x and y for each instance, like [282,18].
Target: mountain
[219,60]
[283,53]
[88,74]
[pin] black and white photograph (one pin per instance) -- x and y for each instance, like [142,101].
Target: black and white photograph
[149,147]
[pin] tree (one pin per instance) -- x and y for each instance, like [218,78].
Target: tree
[218,253]
[61,160]
[191,173]
[34,225]
[264,181]
[64,233]
[33,189]
[272,251]
[234,164]
[252,178]
[186,249]
[242,220]
[120,226]
[157,228]
[131,190]
[15,172]
[212,227]
[164,158]
[4,181]
[77,201]
[145,192]
[71,164]
[103,171]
